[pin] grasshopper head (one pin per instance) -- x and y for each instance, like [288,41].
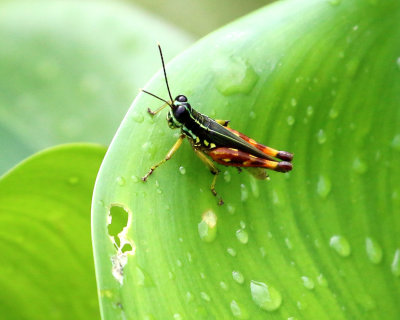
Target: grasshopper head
[181,109]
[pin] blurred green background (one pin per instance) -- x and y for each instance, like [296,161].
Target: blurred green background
[70,69]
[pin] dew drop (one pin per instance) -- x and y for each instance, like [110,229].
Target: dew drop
[374,250]
[234,75]
[310,111]
[205,296]
[238,310]
[149,148]
[275,197]
[231,251]
[323,186]
[238,277]
[333,113]
[396,142]
[182,170]
[321,136]
[223,286]
[340,245]
[398,62]
[290,120]
[288,243]
[265,296]
[254,188]
[293,102]
[263,252]
[189,296]
[137,117]
[177,316]
[301,305]
[121,181]
[359,166]
[308,283]
[207,227]
[189,257]
[227,176]
[244,193]
[322,280]
[73,181]
[231,209]
[179,263]
[395,266]
[252,115]
[242,236]
[352,67]
[135,179]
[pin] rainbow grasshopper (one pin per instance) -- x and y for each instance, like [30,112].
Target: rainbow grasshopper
[216,140]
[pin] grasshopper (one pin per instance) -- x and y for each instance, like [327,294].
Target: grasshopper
[213,140]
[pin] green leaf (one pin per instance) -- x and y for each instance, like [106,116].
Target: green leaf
[217,13]
[46,264]
[320,79]
[69,70]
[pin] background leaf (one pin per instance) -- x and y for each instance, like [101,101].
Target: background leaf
[68,70]
[46,265]
[318,78]
[201,17]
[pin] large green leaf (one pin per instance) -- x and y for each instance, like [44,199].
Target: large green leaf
[317,78]
[46,264]
[69,69]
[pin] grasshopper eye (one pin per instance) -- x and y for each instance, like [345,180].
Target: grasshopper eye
[181,98]
[180,113]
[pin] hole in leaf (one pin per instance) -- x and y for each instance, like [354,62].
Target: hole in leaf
[126,248]
[119,220]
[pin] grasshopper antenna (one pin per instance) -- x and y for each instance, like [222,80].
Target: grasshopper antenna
[165,73]
[157,97]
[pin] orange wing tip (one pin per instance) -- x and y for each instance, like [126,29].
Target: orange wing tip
[283,166]
[284,155]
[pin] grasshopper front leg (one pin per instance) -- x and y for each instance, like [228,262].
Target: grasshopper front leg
[170,153]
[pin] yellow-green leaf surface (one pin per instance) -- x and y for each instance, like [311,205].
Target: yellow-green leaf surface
[317,78]
[46,262]
[69,70]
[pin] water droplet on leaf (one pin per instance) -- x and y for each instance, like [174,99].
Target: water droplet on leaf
[238,310]
[323,186]
[321,136]
[340,245]
[242,236]
[374,250]
[308,283]
[207,228]
[234,75]
[238,277]
[265,296]
[395,266]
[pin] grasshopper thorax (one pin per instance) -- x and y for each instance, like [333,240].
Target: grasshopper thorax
[180,112]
